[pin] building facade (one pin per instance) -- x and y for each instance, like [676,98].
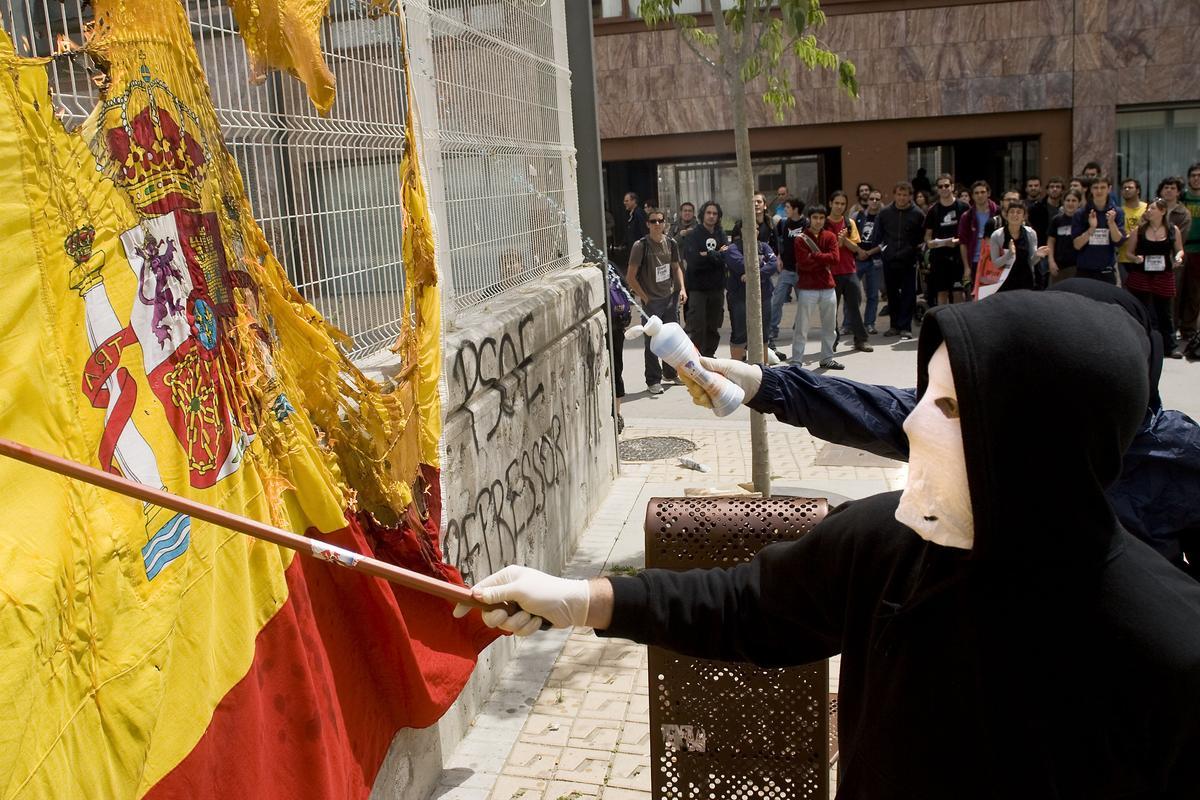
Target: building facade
[999,91]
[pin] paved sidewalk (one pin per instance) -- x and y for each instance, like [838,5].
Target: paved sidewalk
[570,717]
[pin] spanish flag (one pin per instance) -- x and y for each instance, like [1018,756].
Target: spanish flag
[146,328]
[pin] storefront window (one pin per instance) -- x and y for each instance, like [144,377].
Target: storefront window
[1153,144]
[699,181]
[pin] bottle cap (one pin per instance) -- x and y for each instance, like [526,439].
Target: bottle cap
[652,327]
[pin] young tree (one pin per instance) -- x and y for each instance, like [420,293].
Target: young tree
[751,40]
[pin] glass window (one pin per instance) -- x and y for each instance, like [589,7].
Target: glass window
[1153,144]
[699,181]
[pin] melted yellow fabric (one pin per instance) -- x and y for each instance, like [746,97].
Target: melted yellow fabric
[146,327]
[285,34]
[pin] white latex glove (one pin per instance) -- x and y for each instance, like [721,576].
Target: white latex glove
[747,376]
[560,601]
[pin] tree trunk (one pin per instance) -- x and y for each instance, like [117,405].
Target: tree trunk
[759,450]
[730,59]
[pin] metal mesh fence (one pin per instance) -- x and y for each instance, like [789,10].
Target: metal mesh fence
[501,128]
[326,190]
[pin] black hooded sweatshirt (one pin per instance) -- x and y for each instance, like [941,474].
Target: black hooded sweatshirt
[1060,658]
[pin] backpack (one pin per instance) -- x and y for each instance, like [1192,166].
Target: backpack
[620,304]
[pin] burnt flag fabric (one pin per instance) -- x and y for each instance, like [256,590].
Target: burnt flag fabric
[146,328]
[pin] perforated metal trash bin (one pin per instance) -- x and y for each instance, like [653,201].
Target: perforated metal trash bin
[723,730]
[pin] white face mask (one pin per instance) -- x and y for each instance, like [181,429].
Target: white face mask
[937,502]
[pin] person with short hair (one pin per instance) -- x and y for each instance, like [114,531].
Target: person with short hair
[845,275]
[1059,242]
[684,223]
[869,262]
[777,210]
[816,255]
[1098,229]
[786,231]
[1041,207]
[901,231]
[655,276]
[1014,249]
[1171,190]
[862,193]
[1133,206]
[635,224]
[972,228]
[941,242]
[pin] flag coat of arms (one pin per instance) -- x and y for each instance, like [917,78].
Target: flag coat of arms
[147,329]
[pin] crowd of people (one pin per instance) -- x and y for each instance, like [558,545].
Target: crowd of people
[933,243]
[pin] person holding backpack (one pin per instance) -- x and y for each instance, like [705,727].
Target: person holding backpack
[655,276]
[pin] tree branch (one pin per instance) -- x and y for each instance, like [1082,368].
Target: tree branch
[692,46]
[752,19]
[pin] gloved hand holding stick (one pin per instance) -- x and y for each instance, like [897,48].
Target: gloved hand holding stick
[259,530]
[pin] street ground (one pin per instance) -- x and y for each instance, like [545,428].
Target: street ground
[569,719]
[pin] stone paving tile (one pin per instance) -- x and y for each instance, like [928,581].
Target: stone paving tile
[623,653]
[582,651]
[546,730]
[557,702]
[509,787]
[635,737]
[568,790]
[572,675]
[605,705]
[532,760]
[638,708]
[583,765]
[595,734]
[617,793]
[630,771]
[613,679]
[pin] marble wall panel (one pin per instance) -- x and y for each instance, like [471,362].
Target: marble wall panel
[984,58]
[1094,136]
[1060,87]
[1091,16]
[1038,18]
[1096,87]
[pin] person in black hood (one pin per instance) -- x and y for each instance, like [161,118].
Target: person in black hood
[996,642]
[1157,496]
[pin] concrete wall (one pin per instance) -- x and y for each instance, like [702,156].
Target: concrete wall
[530,451]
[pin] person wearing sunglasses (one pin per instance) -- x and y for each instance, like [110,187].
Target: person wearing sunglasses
[655,276]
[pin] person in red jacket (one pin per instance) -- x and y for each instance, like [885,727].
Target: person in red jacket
[816,255]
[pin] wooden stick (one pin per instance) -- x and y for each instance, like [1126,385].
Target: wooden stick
[268,533]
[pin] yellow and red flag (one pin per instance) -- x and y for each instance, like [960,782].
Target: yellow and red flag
[146,328]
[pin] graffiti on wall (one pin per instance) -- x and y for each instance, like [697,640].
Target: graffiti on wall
[492,521]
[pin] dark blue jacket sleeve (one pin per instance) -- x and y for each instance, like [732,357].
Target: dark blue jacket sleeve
[1157,497]
[838,410]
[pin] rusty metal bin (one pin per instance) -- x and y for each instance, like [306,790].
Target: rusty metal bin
[723,730]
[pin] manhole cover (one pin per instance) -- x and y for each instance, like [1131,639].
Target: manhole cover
[652,448]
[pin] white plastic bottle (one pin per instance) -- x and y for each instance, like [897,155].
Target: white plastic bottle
[670,343]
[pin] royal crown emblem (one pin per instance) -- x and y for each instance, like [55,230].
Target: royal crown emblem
[151,145]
